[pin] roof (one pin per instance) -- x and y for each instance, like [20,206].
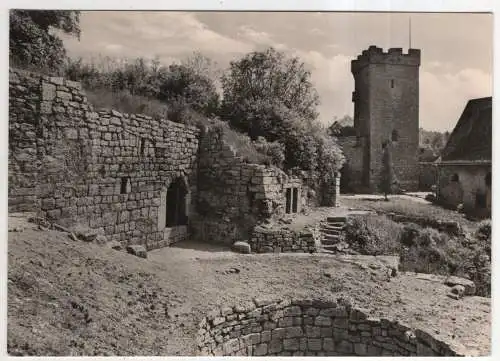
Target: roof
[472,137]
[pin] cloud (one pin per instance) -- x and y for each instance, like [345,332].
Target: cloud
[456,62]
[456,88]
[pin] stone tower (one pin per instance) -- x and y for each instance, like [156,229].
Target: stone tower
[386,102]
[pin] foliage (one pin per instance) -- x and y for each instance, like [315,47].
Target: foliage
[343,127]
[388,182]
[183,88]
[274,150]
[373,235]
[435,141]
[266,82]
[32,38]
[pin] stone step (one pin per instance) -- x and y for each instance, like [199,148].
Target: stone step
[335,224]
[331,231]
[336,219]
[329,242]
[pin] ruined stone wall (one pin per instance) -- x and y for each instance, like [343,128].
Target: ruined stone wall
[283,239]
[389,95]
[103,171]
[311,328]
[352,172]
[233,196]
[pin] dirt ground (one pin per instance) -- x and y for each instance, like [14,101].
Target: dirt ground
[73,298]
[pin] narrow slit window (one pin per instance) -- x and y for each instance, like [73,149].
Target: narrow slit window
[392,83]
[395,135]
[143,146]
[124,187]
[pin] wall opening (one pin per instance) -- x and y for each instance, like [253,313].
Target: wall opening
[125,185]
[291,200]
[395,135]
[143,146]
[176,214]
[392,83]
[455,178]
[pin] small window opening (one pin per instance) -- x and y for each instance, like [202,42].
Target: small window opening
[291,200]
[143,146]
[454,177]
[395,135]
[392,83]
[125,185]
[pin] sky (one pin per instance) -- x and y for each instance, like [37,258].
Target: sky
[456,64]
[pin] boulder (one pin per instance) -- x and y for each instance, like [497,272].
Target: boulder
[114,245]
[101,239]
[137,250]
[241,247]
[469,286]
[458,290]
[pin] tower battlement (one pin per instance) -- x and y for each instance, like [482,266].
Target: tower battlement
[394,56]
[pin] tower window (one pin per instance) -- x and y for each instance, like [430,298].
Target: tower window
[392,83]
[395,135]
[125,185]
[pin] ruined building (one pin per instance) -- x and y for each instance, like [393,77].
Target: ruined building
[386,108]
[132,178]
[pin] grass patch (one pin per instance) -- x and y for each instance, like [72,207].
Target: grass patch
[425,250]
[409,208]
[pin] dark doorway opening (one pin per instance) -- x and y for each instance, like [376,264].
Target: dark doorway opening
[176,204]
[292,195]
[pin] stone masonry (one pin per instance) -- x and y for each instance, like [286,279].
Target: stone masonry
[99,170]
[312,327]
[386,108]
[132,178]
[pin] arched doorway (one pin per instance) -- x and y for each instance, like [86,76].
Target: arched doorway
[176,207]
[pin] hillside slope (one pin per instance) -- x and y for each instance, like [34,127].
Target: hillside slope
[72,298]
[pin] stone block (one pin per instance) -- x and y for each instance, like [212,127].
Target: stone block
[241,247]
[275,346]
[137,250]
[322,321]
[344,348]
[291,344]
[312,331]
[328,344]
[314,344]
[295,331]
[260,349]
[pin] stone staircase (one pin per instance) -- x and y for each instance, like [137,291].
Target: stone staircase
[331,235]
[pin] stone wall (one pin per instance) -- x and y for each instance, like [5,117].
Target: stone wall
[466,184]
[352,172]
[311,328]
[233,195]
[104,171]
[283,239]
[427,176]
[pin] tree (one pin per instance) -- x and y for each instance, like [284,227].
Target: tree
[388,179]
[32,41]
[183,88]
[261,88]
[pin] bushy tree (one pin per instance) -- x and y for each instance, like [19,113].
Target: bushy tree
[258,87]
[33,41]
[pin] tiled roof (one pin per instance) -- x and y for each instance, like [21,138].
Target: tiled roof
[471,139]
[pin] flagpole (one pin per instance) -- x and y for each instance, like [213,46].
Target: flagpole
[409,32]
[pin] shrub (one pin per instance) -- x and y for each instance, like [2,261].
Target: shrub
[373,235]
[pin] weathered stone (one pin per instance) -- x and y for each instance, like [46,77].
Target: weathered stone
[469,286]
[137,250]
[260,349]
[241,247]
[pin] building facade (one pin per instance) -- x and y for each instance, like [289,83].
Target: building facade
[386,109]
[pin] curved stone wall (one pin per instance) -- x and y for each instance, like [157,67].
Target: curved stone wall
[311,328]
